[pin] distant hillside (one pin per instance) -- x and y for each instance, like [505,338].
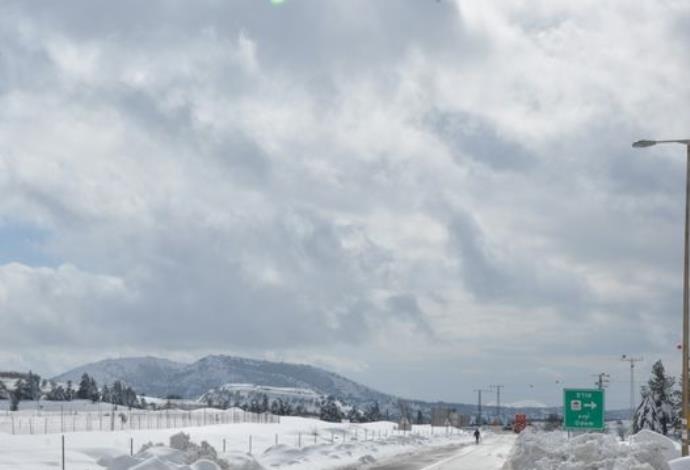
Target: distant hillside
[160,377]
[147,375]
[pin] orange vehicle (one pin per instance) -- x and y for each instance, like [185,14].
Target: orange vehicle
[520,422]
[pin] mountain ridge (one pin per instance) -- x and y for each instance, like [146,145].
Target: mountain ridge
[162,377]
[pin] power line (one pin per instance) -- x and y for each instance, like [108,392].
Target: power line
[602,380]
[479,404]
[498,400]
[632,361]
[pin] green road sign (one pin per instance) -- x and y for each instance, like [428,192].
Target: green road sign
[583,409]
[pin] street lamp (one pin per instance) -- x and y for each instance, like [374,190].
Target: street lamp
[686,320]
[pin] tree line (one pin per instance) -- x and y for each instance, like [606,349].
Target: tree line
[329,409]
[30,387]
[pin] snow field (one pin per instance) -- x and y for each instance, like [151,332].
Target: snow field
[295,447]
[121,419]
[554,451]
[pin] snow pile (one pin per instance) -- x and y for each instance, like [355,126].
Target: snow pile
[181,455]
[657,441]
[355,453]
[682,463]
[554,451]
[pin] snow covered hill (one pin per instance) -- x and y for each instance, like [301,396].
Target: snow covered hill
[160,377]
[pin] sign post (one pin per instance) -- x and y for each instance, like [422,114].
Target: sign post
[583,409]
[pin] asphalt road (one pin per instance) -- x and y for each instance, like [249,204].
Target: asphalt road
[490,454]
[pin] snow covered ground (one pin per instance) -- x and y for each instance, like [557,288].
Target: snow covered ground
[301,444]
[555,451]
[311,444]
[105,417]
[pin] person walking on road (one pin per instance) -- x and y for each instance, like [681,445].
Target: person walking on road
[476,435]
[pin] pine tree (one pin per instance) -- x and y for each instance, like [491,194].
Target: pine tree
[69,391]
[285,408]
[646,416]
[373,413]
[33,383]
[56,393]
[94,395]
[254,406]
[420,417]
[354,415]
[658,410]
[130,398]
[660,389]
[117,393]
[275,406]
[330,411]
[83,390]
[14,400]
[21,389]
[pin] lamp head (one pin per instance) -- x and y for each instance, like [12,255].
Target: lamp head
[644,143]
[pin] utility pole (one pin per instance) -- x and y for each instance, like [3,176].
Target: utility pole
[479,404]
[498,400]
[685,372]
[632,361]
[602,380]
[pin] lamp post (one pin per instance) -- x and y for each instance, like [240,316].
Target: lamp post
[686,320]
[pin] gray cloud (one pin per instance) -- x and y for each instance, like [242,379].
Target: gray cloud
[330,180]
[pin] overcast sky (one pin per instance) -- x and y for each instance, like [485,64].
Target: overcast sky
[426,196]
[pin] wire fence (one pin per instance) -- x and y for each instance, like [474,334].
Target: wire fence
[118,419]
[254,444]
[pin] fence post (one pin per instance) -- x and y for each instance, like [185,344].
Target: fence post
[63,452]
[131,446]
[299,440]
[250,444]
[276,439]
[223,445]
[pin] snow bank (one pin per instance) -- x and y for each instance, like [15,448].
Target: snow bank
[554,451]
[181,455]
[682,463]
[655,440]
[293,443]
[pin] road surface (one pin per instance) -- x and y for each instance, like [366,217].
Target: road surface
[490,454]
